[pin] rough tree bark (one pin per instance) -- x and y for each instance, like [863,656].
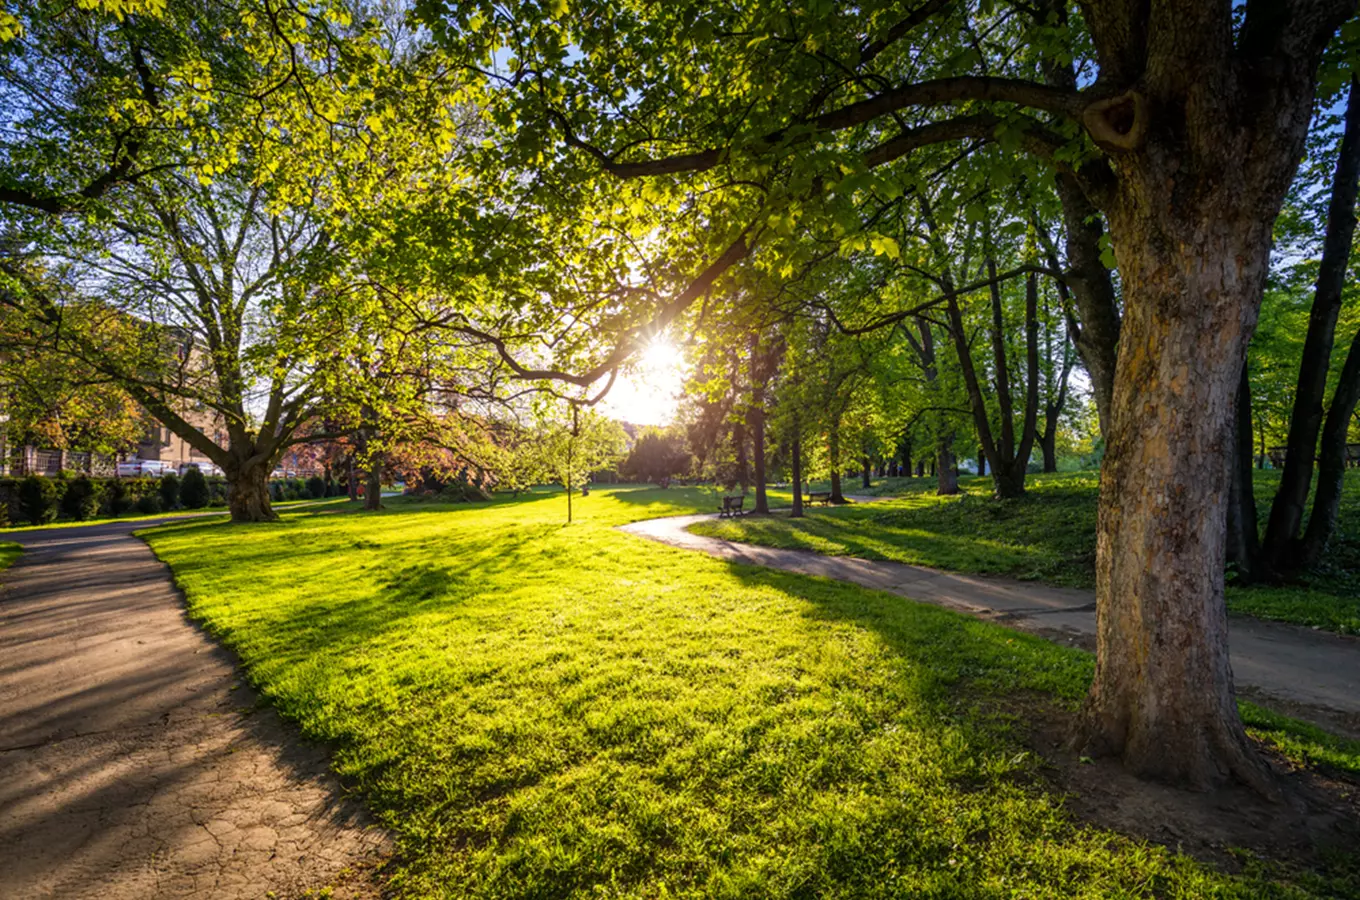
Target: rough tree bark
[248,490]
[1193,248]
[1305,420]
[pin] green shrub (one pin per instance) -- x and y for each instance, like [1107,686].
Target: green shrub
[149,504]
[169,491]
[118,498]
[276,491]
[81,499]
[38,500]
[194,492]
[316,487]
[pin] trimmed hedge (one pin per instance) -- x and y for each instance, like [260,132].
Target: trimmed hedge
[74,497]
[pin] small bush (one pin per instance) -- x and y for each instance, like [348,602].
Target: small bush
[316,487]
[149,504]
[118,499]
[169,491]
[276,491]
[193,490]
[81,500]
[38,500]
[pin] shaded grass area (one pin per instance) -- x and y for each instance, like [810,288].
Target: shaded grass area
[208,512]
[545,711]
[1048,535]
[9,554]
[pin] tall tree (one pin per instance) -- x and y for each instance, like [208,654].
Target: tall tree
[760,135]
[1280,544]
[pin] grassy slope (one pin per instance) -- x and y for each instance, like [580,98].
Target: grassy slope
[9,553]
[1047,536]
[540,711]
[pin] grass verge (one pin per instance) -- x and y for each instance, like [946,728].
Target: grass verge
[1048,535]
[9,554]
[538,710]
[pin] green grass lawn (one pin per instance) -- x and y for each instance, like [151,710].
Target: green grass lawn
[1049,536]
[537,710]
[9,553]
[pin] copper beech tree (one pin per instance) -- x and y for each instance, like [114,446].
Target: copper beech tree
[1181,124]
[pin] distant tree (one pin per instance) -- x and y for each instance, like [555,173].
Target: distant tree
[658,454]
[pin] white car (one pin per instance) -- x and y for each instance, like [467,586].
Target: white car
[206,468]
[143,468]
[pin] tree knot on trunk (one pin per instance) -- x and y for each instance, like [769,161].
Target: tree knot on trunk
[1118,124]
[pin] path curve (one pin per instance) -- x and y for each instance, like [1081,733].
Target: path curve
[134,760]
[1312,674]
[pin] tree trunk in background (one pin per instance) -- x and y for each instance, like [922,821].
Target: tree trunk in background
[947,466]
[1009,460]
[757,419]
[743,464]
[1048,443]
[373,485]
[1093,293]
[351,478]
[248,493]
[1096,336]
[1244,548]
[921,468]
[866,480]
[833,447]
[1332,458]
[797,470]
[982,462]
[1305,420]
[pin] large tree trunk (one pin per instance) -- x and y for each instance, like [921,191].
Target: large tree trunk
[866,481]
[248,493]
[982,462]
[797,461]
[1244,547]
[833,446]
[373,485]
[1332,458]
[1305,420]
[1193,248]
[1163,691]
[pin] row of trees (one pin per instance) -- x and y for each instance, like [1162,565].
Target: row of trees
[316,221]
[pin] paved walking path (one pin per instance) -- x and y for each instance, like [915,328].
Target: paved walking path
[133,760]
[1286,664]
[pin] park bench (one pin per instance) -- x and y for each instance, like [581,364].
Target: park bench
[731,506]
[822,497]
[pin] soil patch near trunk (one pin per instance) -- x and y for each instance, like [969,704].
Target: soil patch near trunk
[1315,826]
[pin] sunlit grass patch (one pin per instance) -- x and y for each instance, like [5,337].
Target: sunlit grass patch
[542,710]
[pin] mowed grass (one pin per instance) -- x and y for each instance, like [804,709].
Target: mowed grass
[1048,535]
[537,710]
[9,554]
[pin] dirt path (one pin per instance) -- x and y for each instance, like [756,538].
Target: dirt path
[1310,674]
[133,761]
